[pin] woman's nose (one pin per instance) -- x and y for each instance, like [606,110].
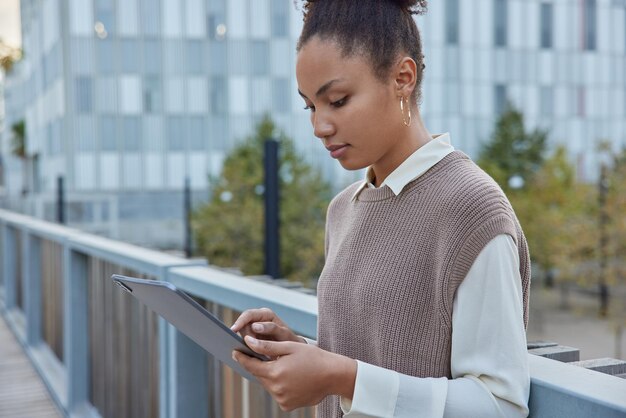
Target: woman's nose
[322,127]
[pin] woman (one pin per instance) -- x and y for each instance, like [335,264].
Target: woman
[423,299]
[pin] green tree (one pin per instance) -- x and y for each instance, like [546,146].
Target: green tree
[512,152]
[18,139]
[229,229]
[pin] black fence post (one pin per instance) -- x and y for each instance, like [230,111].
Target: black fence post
[604,240]
[271,197]
[60,200]
[187,217]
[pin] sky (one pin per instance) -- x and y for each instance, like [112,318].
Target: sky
[10,22]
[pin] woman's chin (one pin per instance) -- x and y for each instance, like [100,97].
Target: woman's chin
[352,165]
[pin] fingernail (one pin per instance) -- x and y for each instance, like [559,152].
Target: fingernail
[257,327]
[234,357]
[251,340]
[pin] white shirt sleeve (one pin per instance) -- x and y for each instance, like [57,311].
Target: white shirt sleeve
[489,364]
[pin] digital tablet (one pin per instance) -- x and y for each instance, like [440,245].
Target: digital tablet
[190,318]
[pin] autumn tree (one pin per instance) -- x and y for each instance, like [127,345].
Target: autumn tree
[9,56]
[616,244]
[558,215]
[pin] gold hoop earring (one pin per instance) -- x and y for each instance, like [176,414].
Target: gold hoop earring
[408,107]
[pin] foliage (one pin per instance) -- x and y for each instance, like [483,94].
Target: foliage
[615,209]
[229,229]
[558,216]
[511,150]
[18,139]
[616,248]
[9,56]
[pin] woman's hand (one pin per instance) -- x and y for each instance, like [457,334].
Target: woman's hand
[299,374]
[265,325]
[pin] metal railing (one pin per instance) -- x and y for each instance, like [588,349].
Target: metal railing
[102,354]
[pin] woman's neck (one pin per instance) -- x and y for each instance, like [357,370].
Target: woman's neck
[413,138]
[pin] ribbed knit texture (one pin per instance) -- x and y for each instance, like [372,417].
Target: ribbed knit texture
[394,263]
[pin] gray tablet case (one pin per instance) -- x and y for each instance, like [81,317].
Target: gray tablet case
[190,318]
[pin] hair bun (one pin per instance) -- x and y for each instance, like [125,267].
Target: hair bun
[417,7]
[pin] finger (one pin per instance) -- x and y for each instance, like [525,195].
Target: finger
[251,364]
[266,328]
[253,315]
[272,349]
[271,329]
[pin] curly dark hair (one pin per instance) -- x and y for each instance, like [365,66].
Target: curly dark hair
[378,29]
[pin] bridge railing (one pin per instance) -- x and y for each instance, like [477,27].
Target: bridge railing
[102,354]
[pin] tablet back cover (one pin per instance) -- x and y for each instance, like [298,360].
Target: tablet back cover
[190,318]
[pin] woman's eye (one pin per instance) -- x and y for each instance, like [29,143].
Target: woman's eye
[339,102]
[311,108]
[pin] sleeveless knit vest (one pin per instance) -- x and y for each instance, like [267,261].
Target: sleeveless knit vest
[394,263]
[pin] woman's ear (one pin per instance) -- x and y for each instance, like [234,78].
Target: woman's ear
[405,77]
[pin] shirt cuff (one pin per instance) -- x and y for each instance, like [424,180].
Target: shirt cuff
[375,392]
[308,340]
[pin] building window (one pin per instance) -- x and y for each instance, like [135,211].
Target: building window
[194,58]
[217,58]
[580,102]
[152,97]
[589,24]
[281,95]
[152,56]
[84,134]
[107,133]
[452,22]
[105,14]
[197,133]
[130,55]
[280,18]
[216,19]
[500,17]
[83,94]
[176,135]
[546,106]
[131,132]
[260,56]
[546,25]
[106,58]
[499,98]
[219,96]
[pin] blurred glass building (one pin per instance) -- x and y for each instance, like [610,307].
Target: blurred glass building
[127,98]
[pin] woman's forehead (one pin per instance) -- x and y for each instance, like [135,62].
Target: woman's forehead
[324,60]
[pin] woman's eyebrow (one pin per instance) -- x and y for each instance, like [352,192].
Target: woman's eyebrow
[322,89]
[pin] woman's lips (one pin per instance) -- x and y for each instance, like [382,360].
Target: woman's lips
[337,151]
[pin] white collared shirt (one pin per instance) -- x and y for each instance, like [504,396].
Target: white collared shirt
[414,166]
[489,365]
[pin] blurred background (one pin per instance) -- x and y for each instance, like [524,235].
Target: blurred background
[112,111]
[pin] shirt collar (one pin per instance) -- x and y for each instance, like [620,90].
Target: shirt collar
[414,166]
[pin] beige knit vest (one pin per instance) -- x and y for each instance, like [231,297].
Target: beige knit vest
[394,263]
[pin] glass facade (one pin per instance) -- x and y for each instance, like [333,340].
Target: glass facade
[160,90]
